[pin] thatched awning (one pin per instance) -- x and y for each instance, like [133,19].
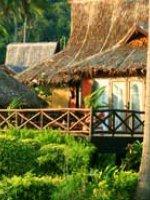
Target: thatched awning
[96,27]
[10,88]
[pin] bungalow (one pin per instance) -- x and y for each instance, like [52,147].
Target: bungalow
[121,70]
[106,48]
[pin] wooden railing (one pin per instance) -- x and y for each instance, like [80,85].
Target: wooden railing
[67,119]
[116,121]
[111,122]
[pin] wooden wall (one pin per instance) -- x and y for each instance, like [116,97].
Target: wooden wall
[86,89]
[60,98]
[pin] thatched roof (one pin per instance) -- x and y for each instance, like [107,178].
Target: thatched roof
[119,62]
[10,88]
[22,55]
[96,26]
[127,58]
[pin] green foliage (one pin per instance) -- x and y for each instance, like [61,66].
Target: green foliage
[63,41]
[3,43]
[43,90]
[124,185]
[51,158]
[102,160]
[27,187]
[133,156]
[17,157]
[49,165]
[42,152]
[75,187]
[65,156]
[94,98]
[54,23]
[113,184]
[42,87]
[110,184]
[33,21]
[15,103]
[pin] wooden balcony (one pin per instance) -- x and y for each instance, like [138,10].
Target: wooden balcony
[115,122]
[66,120]
[104,127]
[114,129]
[102,122]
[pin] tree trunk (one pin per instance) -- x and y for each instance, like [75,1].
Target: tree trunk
[15,30]
[25,29]
[143,187]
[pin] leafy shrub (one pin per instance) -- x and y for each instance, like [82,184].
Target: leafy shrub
[63,158]
[113,184]
[48,154]
[51,159]
[124,185]
[16,157]
[74,187]
[27,187]
[21,133]
[110,184]
[133,157]
[42,152]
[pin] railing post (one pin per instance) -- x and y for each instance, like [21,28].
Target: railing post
[16,119]
[68,120]
[91,123]
[133,124]
[113,121]
[41,119]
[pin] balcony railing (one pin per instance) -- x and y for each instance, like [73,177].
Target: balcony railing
[66,120]
[117,121]
[102,122]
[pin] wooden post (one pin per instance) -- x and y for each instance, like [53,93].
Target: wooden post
[91,124]
[16,119]
[41,119]
[68,119]
[113,121]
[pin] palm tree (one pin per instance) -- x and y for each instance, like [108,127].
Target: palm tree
[7,14]
[22,11]
[143,188]
[30,10]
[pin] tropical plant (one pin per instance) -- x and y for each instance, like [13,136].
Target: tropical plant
[133,156]
[42,152]
[28,187]
[46,165]
[114,184]
[93,99]
[15,103]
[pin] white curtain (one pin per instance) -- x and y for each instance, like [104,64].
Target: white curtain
[104,99]
[136,101]
[119,101]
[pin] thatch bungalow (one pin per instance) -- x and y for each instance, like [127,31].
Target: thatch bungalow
[107,47]
[11,89]
[20,56]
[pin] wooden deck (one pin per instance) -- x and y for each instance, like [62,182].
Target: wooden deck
[109,128]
